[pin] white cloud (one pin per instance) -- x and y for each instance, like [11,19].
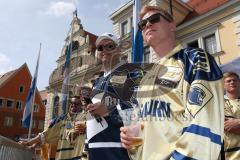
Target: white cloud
[60,8]
[5,64]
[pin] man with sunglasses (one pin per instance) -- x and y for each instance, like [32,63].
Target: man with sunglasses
[111,92]
[180,98]
[63,132]
[232,116]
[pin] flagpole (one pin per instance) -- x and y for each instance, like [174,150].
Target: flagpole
[66,79]
[34,93]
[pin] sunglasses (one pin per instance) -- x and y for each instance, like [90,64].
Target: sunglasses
[108,47]
[155,18]
[74,103]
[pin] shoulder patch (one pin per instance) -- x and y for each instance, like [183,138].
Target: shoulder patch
[198,97]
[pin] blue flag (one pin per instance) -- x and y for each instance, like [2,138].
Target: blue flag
[137,40]
[26,120]
[65,84]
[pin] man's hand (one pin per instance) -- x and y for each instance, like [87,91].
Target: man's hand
[79,127]
[232,125]
[97,109]
[129,142]
[23,142]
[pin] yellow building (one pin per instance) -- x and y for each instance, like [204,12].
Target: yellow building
[213,25]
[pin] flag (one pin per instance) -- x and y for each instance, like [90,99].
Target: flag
[26,120]
[137,40]
[65,84]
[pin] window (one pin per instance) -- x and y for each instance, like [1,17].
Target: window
[21,125]
[35,108]
[131,21]
[1,102]
[8,121]
[19,105]
[44,102]
[146,56]
[193,44]
[210,44]
[207,39]
[34,124]
[21,89]
[124,58]
[124,28]
[80,62]
[9,103]
[40,125]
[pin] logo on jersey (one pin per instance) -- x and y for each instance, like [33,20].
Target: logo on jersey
[198,97]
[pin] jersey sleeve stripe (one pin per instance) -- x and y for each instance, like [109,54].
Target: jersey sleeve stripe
[203,131]
[178,156]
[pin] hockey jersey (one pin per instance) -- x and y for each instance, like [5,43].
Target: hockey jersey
[59,132]
[115,88]
[181,107]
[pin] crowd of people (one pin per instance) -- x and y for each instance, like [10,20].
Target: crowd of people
[186,108]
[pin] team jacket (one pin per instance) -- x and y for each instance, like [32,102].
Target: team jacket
[181,107]
[59,132]
[231,140]
[115,88]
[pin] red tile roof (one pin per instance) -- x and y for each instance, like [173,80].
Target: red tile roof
[4,77]
[43,94]
[92,39]
[201,7]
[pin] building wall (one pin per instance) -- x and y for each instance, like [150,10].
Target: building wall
[228,32]
[10,90]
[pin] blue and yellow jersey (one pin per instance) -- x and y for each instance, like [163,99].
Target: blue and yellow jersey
[113,89]
[181,107]
[231,140]
[60,133]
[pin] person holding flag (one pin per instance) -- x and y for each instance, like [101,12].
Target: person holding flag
[180,98]
[65,133]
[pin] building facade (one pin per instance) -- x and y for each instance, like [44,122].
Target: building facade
[83,66]
[14,88]
[211,25]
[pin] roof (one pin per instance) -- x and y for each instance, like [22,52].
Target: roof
[6,76]
[201,7]
[92,38]
[43,94]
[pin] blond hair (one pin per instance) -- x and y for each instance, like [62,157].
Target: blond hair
[229,74]
[146,9]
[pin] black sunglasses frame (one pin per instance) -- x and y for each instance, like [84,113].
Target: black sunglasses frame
[155,18]
[108,47]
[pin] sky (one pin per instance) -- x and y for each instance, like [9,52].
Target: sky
[26,23]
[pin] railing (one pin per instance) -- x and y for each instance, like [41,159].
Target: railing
[10,150]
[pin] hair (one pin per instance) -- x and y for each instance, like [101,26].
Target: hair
[147,8]
[76,96]
[229,74]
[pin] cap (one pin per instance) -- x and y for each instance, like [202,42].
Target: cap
[107,36]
